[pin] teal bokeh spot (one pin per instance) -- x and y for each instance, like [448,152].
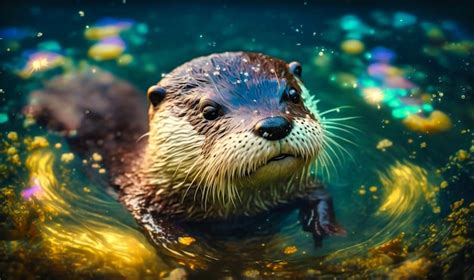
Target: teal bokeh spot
[350,22]
[403,112]
[354,35]
[394,103]
[51,46]
[402,92]
[402,19]
[388,94]
[427,107]
[367,82]
[3,118]
[398,113]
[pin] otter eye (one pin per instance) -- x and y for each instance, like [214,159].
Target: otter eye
[210,112]
[293,95]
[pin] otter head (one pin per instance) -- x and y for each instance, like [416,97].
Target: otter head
[231,123]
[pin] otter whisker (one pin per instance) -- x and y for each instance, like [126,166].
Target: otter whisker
[143,136]
[332,134]
[198,186]
[333,109]
[332,127]
[325,167]
[191,184]
[321,164]
[341,148]
[340,123]
[328,162]
[334,152]
[331,165]
[341,119]
[330,141]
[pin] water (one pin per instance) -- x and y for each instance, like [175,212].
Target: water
[398,194]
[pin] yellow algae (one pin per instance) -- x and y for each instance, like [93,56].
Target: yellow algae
[352,46]
[102,170]
[423,145]
[105,51]
[412,269]
[362,192]
[37,142]
[460,48]
[58,145]
[373,189]
[105,249]
[383,144]
[394,71]
[394,248]
[97,33]
[125,59]
[86,189]
[93,245]
[251,273]
[186,240]
[15,159]
[462,155]
[435,123]
[383,259]
[40,167]
[345,80]
[95,165]
[12,151]
[276,266]
[96,157]
[457,204]
[404,185]
[12,135]
[67,157]
[426,98]
[435,34]
[444,184]
[290,250]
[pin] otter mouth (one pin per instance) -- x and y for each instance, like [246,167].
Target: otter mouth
[275,169]
[280,157]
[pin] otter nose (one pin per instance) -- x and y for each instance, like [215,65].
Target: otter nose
[273,128]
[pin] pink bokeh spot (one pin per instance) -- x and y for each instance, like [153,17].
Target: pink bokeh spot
[34,190]
[399,82]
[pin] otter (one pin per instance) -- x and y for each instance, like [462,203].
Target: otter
[229,135]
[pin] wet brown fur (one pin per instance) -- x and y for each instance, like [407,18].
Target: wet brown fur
[261,78]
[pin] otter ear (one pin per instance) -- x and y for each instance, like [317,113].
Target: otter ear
[155,95]
[295,68]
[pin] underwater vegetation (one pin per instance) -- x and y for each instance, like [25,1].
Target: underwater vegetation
[401,173]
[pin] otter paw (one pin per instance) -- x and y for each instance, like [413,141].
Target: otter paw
[317,216]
